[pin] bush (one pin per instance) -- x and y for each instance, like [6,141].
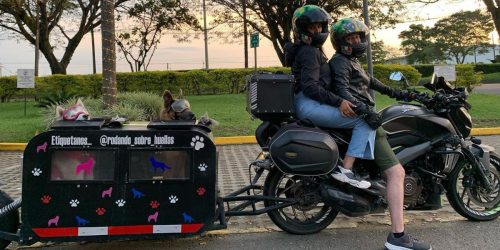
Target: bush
[487,68]
[467,77]
[425,69]
[383,71]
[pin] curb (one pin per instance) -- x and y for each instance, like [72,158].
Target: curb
[219,141]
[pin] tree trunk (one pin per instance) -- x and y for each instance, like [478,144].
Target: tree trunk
[495,13]
[108,53]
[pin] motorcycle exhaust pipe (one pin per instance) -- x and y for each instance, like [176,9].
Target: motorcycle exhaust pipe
[349,204]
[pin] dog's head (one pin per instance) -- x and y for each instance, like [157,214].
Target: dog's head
[176,108]
[76,112]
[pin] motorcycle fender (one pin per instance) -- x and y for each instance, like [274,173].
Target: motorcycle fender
[482,152]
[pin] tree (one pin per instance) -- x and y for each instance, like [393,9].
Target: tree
[379,53]
[494,10]
[462,34]
[108,54]
[80,17]
[417,43]
[273,19]
[149,19]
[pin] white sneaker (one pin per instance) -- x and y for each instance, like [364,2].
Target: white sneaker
[347,176]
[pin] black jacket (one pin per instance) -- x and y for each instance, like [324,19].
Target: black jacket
[312,73]
[351,82]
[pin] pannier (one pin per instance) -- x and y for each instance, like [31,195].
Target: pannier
[270,96]
[303,150]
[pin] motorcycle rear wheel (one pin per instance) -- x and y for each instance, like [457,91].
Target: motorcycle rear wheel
[468,198]
[10,222]
[310,214]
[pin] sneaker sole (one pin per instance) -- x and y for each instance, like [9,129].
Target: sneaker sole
[390,246]
[345,179]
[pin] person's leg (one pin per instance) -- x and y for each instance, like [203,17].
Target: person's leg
[395,195]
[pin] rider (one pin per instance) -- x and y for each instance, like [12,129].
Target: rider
[314,101]
[351,82]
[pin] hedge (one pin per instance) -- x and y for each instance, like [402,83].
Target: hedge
[427,69]
[193,82]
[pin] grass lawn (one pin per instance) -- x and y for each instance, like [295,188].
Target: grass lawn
[229,110]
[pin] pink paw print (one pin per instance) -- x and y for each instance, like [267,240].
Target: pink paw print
[154,204]
[46,199]
[201,191]
[100,211]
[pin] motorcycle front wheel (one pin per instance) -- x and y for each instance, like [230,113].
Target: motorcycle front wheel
[309,214]
[9,222]
[468,197]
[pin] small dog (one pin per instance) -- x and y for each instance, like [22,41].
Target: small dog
[107,192]
[76,112]
[153,217]
[176,109]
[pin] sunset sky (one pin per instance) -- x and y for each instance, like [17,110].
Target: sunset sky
[20,55]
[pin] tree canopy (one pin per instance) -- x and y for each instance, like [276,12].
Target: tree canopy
[273,19]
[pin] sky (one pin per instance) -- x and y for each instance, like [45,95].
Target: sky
[18,54]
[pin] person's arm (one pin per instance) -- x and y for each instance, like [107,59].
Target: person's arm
[391,92]
[310,74]
[341,77]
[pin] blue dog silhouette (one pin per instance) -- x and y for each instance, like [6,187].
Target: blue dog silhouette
[137,193]
[81,221]
[187,218]
[158,164]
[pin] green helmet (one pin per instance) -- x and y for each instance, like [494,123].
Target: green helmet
[306,15]
[345,27]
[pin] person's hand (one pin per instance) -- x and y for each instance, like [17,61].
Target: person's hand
[403,95]
[346,109]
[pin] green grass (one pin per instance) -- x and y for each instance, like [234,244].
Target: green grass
[229,110]
[491,78]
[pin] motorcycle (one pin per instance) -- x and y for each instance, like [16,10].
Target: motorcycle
[430,139]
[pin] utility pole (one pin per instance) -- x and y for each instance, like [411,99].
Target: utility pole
[245,32]
[37,37]
[206,36]
[369,49]
[93,51]
[493,42]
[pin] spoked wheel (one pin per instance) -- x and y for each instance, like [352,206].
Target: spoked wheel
[469,198]
[10,222]
[309,215]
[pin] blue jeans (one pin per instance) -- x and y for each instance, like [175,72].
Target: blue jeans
[323,115]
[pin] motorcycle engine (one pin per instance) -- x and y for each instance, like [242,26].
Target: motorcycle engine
[413,189]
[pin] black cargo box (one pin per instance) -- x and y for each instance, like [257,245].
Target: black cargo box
[270,96]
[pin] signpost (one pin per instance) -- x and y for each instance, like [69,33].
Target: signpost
[446,71]
[25,80]
[254,43]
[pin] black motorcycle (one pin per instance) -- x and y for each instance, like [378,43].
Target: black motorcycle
[429,139]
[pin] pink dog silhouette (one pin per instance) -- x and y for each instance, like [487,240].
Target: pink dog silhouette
[107,192]
[153,217]
[86,166]
[54,221]
[42,147]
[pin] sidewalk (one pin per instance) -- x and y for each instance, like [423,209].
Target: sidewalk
[233,174]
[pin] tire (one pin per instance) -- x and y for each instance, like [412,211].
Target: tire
[10,222]
[468,199]
[280,185]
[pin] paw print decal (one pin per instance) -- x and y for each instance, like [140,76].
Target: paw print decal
[120,202]
[100,211]
[74,203]
[203,167]
[197,142]
[46,199]
[154,204]
[36,172]
[201,191]
[173,199]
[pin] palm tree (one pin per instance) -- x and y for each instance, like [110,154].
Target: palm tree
[108,53]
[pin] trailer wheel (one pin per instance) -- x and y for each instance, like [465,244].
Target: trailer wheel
[9,222]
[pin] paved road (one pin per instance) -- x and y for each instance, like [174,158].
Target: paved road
[458,235]
[491,88]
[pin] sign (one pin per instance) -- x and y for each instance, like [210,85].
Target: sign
[254,40]
[25,78]
[446,71]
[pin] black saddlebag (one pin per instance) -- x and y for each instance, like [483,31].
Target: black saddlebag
[303,150]
[270,96]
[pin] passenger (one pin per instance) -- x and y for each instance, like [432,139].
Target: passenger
[351,82]
[314,100]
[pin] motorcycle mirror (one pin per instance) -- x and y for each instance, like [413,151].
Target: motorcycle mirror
[396,76]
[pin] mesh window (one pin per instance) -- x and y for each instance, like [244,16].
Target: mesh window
[159,165]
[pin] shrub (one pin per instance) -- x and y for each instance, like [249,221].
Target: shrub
[467,77]
[383,71]
[487,68]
